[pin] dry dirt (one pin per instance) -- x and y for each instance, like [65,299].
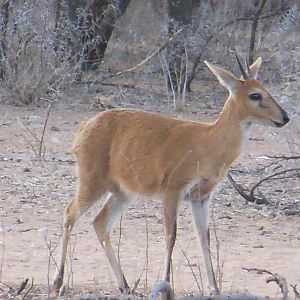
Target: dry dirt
[34,193]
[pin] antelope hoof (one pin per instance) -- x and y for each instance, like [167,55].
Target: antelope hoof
[214,290]
[58,282]
[125,287]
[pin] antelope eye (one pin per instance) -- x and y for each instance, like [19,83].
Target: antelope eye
[255,97]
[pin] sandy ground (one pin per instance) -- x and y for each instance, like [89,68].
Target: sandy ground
[34,192]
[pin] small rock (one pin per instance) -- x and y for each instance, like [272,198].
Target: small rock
[258,246]
[54,128]
[26,170]
[19,221]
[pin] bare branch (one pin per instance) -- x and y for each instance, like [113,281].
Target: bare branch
[30,288]
[194,275]
[44,129]
[148,57]
[22,286]
[274,277]
[250,196]
[294,287]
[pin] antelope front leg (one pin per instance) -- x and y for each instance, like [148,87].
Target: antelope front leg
[200,211]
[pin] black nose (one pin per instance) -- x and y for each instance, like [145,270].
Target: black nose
[286,118]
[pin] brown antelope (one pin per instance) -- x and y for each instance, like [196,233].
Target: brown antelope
[130,154]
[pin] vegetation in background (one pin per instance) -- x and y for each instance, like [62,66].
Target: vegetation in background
[50,47]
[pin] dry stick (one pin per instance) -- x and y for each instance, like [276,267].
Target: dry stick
[273,163]
[279,280]
[256,18]
[148,57]
[72,254]
[283,157]
[219,264]
[11,291]
[146,263]
[32,146]
[22,286]
[2,256]
[272,176]
[200,273]
[294,287]
[50,257]
[250,197]
[194,275]
[278,159]
[181,87]
[44,129]
[31,286]
[243,192]
[168,77]
[48,268]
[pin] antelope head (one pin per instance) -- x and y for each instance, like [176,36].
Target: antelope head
[253,102]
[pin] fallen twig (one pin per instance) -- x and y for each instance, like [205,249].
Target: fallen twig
[294,287]
[22,286]
[250,196]
[31,286]
[274,277]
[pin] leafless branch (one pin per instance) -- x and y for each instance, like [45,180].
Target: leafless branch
[22,286]
[294,287]
[30,288]
[220,264]
[274,277]
[148,57]
[283,157]
[194,275]
[2,252]
[250,196]
[50,257]
[44,129]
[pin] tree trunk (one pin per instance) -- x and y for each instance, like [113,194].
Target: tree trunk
[95,23]
[3,28]
[254,25]
[92,26]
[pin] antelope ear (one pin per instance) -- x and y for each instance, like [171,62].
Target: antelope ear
[226,78]
[254,68]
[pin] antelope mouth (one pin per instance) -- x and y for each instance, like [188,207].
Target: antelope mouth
[277,124]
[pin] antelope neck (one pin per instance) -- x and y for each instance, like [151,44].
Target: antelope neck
[230,129]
